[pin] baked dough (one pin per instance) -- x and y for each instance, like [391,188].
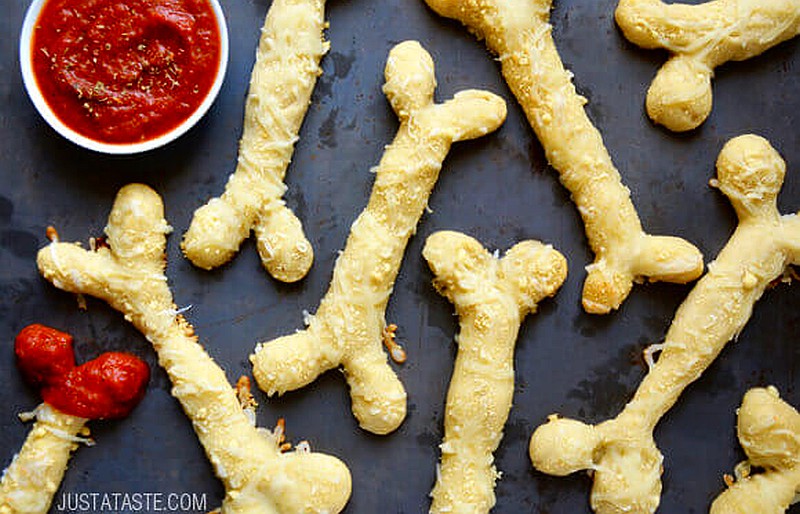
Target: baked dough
[35,473]
[769,430]
[519,33]
[621,452]
[347,329]
[283,78]
[700,38]
[129,275]
[491,296]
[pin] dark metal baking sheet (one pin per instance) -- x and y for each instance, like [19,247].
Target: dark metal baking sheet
[497,189]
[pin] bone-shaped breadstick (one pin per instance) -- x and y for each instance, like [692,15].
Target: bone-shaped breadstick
[519,33]
[622,453]
[700,38]
[347,328]
[109,386]
[283,78]
[129,275]
[769,431]
[491,297]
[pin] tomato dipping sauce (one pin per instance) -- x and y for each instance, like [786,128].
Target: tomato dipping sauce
[125,71]
[109,386]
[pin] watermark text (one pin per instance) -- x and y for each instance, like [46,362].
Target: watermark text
[119,503]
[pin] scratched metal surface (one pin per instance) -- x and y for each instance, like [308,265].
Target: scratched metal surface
[497,189]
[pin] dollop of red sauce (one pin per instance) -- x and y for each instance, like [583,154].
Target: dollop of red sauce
[109,386]
[125,71]
[43,353]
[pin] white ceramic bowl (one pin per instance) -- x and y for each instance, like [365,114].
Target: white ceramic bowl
[47,113]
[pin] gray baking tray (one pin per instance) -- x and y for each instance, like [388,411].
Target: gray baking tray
[498,189]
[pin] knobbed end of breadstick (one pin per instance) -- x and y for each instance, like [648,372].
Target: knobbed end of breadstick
[668,259]
[655,258]
[531,270]
[750,173]
[605,288]
[136,225]
[769,429]
[136,234]
[410,78]
[62,264]
[215,233]
[767,493]
[646,23]
[471,114]
[535,270]
[680,96]
[627,466]
[454,259]
[314,482]
[379,398]
[627,478]
[285,252]
[563,446]
[290,362]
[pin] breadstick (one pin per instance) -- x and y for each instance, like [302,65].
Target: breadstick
[622,453]
[701,38]
[491,297]
[519,33]
[33,477]
[283,78]
[129,275]
[347,327]
[109,386]
[769,430]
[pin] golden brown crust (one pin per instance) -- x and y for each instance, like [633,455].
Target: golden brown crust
[625,460]
[519,33]
[129,275]
[701,38]
[491,297]
[347,328]
[283,78]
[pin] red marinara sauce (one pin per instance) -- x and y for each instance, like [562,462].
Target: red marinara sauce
[125,71]
[109,386]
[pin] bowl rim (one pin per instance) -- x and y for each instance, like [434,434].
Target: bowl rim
[35,94]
